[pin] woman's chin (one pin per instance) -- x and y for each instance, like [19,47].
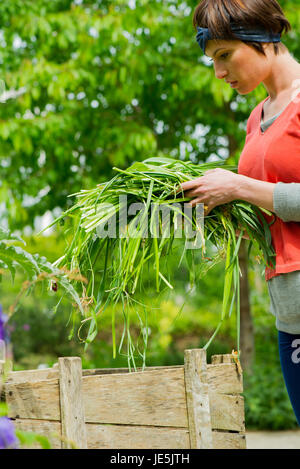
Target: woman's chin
[244,90]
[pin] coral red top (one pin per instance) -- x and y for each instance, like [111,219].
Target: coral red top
[274,156]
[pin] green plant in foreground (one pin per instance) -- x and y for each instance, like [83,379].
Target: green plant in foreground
[36,268]
[120,260]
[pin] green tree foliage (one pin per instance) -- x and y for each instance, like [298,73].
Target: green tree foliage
[102,84]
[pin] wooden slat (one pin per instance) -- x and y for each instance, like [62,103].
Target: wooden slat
[152,398]
[227,412]
[217,359]
[49,429]
[224,379]
[128,437]
[71,403]
[197,399]
[224,440]
[106,371]
[136,437]
[141,396]
[32,375]
[51,373]
[36,400]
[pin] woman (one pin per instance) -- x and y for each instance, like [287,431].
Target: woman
[243,38]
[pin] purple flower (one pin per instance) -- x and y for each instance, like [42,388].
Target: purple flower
[3,320]
[26,327]
[8,439]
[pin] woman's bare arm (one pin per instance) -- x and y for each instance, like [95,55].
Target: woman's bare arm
[220,186]
[256,192]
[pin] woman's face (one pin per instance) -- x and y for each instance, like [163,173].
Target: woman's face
[235,61]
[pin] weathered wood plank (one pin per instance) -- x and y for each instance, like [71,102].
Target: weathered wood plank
[136,437]
[142,398]
[224,378]
[128,437]
[152,398]
[227,412]
[223,440]
[71,402]
[106,371]
[49,429]
[217,359]
[229,358]
[36,400]
[32,375]
[51,373]
[197,399]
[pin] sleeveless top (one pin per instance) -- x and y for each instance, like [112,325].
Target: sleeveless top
[272,153]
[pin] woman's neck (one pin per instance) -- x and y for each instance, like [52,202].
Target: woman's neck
[284,77]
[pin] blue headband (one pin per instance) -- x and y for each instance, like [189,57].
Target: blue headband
[251,35]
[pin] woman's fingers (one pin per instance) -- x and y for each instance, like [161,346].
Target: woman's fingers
[194,202]
[189,185]
[193,193]
[207,207]
[191,190]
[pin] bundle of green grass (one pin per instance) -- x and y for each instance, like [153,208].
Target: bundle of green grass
[110,240]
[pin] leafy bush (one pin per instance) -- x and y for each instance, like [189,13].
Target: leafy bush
[267,404]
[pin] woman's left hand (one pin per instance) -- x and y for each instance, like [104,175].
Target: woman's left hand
[217,187]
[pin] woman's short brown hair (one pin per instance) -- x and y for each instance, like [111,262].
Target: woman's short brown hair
[264,14]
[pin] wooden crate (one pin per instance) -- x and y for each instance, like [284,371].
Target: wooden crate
[178,407]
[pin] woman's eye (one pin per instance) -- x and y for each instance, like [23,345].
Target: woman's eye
[222,56]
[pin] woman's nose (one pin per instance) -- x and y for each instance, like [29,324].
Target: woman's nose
[220,72]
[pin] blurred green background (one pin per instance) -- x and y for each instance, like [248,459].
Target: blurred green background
[90,85]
